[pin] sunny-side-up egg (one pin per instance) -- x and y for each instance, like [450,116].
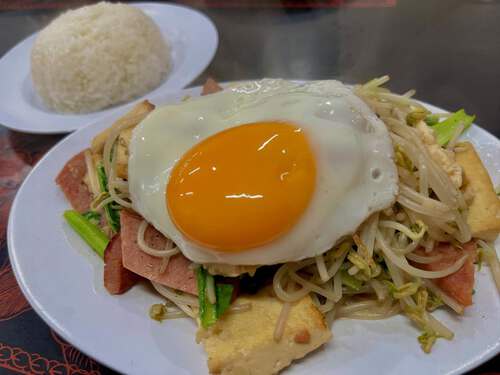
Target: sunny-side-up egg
[268,172]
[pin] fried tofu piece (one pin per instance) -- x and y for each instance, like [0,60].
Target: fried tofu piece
[484,209]
[136,114]
[243,343]
[122,153]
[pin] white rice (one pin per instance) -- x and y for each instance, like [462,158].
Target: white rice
[97,56]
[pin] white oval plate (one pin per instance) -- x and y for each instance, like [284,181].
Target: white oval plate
[193,39]
[62,279]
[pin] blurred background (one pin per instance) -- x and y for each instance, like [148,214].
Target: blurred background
[447,50]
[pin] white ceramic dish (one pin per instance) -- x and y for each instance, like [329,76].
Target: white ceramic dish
[193,40]
[62,279]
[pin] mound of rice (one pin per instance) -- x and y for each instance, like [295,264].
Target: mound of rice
[97,56]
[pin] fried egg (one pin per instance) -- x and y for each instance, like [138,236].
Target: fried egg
[267,172]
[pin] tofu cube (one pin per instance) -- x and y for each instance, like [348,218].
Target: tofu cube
[484,210]
[243,342]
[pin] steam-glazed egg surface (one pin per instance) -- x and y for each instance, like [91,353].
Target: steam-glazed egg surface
[267,172]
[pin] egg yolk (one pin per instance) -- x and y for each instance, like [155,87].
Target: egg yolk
[242,187]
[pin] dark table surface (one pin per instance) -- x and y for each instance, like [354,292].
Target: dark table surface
[448,50]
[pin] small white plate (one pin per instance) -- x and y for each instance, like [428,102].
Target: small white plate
[193,39]
[62,279]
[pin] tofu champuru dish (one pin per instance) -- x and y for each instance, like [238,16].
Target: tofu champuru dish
[284,206]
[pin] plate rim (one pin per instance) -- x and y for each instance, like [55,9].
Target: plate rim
[20,125]
[483,357]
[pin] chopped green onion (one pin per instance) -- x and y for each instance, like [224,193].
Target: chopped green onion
[90,232]
[209,313]
[224,293]
[445,130]
[350,281]
[92,216]
[101,176]
[111,211]
[431,120]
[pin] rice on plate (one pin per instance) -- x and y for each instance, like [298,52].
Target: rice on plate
[97,56]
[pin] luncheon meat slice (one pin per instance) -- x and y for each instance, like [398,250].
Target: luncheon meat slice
[70,180]
[117,279]
[460,284]
[177,275]
[211,86]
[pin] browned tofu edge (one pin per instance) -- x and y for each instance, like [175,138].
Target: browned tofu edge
[484,210]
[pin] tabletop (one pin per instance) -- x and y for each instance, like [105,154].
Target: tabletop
[448,50]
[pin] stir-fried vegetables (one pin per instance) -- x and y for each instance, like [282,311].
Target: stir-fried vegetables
[350,281]
[210,312]
[87,230]
[111,210]
[445,130]
[92,216]
[405,290]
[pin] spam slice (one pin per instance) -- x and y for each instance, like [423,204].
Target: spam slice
[177,275]
[210,87]
[71,182]
[458,285]
[117,279]
[484,209]
[243,343]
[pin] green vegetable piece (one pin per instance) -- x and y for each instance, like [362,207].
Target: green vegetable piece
[113,217]
[431,120]
[224,293]
[111,213]
[445,130]
[209,313]
[101,176]
[351,281]
[92,216]
[90,232]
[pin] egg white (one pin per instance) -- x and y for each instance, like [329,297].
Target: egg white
[356,174]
